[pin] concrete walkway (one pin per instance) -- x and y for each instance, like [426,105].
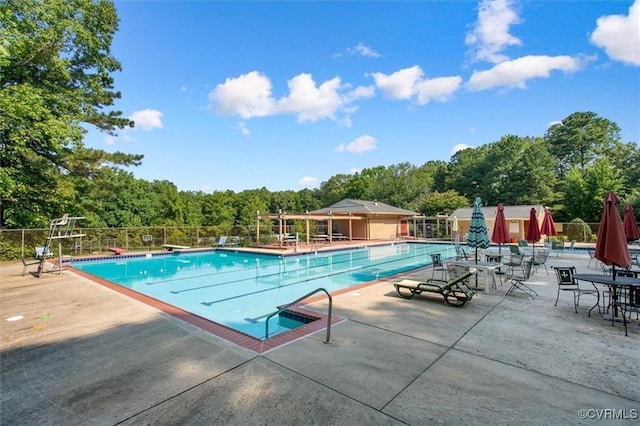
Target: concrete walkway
[83,354]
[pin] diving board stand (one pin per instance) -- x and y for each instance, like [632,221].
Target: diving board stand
[59,229]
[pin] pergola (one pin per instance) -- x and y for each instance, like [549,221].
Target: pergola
[282,218]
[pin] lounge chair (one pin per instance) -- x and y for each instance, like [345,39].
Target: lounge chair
[456,291]
[222,241]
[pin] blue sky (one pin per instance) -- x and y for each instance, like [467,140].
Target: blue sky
[285,94]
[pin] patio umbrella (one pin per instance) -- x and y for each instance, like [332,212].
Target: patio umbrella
[611,247]
[631,230]
[500,234]
[478,234]
[548,226]
[454,229]
[532,232]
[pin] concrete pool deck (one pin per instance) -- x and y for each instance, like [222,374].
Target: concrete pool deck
[84,354]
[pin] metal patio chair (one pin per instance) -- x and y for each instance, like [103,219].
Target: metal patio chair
[494,258]
[592,256]
[438,265]
[540,259]
[518,282]
[567,282]
[515,261]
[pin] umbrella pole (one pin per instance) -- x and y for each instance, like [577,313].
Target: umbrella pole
[613,271]
[476,264]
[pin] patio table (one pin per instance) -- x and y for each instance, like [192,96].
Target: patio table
[485,267]
[615,286]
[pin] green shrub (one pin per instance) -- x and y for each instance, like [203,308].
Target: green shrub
[579,231]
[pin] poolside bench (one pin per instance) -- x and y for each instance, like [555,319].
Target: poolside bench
[26,263]
[455,291]
[117,250]
[171,247]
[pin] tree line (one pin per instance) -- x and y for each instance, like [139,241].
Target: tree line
[56,80]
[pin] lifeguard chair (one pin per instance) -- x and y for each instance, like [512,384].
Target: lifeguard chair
[59,229]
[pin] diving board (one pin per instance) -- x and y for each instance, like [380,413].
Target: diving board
[171,247]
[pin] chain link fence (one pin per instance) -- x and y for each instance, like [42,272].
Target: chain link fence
[95,241]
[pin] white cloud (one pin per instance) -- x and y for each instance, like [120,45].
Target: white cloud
[248,96]
[460,147]
[360,144]
[515,73]
[311,103]
[243,128]
[439,89]
[363,50]
[619,35]
[147,119]
[308,182]
[490,34]
[399,85]
[360,92]
[408,83]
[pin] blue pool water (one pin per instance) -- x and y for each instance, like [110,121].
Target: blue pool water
[240,289]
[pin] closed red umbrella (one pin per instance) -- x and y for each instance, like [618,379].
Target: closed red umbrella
[548,226]
[631,230]
[611,247]
[532,232]
[500,234]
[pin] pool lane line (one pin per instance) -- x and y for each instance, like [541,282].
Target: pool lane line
[282,273]
[307,280]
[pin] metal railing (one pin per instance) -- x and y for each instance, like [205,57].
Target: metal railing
[298,300]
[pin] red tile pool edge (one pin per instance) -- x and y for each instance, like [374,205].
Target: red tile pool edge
[241,339]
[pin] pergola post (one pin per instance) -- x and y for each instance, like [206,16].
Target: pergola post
[258,217]
[280,238]
[330,230]
[307,220]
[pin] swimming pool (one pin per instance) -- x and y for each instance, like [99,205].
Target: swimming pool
[240,289]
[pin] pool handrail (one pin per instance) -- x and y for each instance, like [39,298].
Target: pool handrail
[288,305]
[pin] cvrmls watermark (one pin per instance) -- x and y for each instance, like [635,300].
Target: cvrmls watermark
[608,414]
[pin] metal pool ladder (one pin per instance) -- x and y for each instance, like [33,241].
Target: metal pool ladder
[287,306]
